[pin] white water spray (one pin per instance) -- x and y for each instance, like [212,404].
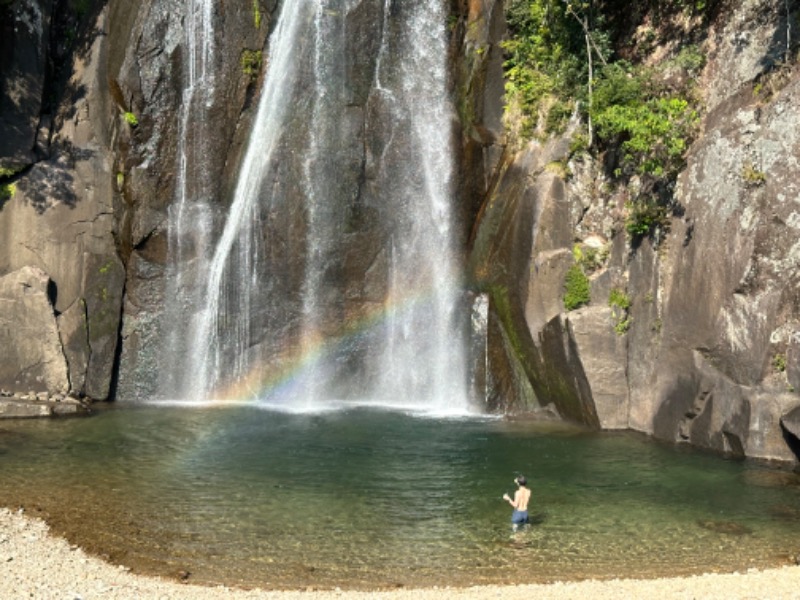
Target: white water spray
[190,216]
[294,202]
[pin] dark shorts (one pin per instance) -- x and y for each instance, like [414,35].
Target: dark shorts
[518,517]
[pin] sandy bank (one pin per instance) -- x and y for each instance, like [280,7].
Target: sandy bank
[34,564]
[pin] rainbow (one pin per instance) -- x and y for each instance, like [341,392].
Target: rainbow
[279,379]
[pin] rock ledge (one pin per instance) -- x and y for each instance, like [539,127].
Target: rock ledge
[26,407]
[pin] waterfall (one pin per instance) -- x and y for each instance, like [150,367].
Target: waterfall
[336,272]
[423,354]
[190,220]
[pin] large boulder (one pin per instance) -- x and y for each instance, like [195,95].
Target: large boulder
[603,357]
[33,359]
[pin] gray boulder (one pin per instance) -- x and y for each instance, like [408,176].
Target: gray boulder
[32,354]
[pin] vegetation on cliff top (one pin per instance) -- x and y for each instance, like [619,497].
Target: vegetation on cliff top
[574,57]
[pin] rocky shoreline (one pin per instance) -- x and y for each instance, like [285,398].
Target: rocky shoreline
[35,564]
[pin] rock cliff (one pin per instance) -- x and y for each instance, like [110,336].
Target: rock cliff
[702,346]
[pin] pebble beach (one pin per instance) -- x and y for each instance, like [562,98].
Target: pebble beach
[36,564]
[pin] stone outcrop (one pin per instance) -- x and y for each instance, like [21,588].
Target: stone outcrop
[790,422]
[60,217]
[31,406]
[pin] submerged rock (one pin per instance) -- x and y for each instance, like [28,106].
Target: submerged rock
[727,527]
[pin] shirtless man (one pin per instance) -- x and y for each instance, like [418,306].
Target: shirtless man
[520,502]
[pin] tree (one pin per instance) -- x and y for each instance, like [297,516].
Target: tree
[581,11]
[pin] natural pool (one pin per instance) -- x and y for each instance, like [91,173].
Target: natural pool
[369,498]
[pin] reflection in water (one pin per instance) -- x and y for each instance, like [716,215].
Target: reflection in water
[368,498]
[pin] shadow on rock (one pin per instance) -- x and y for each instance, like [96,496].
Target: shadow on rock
[53,182]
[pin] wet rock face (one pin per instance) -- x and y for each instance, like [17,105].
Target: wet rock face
[148,72]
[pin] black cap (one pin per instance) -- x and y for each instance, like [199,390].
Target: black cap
[521,480]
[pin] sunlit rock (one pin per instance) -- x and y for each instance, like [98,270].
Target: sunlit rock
[32,355]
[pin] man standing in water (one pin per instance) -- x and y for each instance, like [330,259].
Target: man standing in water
[520,502]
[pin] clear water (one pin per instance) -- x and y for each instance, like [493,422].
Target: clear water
[366,498]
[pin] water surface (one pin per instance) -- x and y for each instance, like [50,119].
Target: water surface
[365,498]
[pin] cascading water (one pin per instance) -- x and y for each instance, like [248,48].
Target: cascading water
[336,268]
[190,215]
[422,248]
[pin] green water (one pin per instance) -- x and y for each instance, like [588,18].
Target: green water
[365,498]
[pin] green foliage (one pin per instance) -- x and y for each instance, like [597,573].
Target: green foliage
[590,259]
[617,298]
[752,176]
[642,111]
[251,63]
[643,216]
[545,60]
[579,143]
[256,14]
[560,168]
[692,5]
[577,253]
[7,187]
[620,303]
[7,191]
[7,172]
[622,325]
[131,119]
[654,130]
[691,59]
[557,117]
[779,363]
[576,288]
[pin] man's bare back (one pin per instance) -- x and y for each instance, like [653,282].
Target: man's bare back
[521,498]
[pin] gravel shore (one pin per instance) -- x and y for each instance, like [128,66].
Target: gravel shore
[34,564]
